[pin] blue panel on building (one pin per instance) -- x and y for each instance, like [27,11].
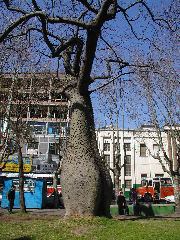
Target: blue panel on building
[50,130]
[35,193]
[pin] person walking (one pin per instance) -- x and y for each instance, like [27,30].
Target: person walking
[11,197]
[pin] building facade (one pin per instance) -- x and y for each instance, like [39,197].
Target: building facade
[138,151]
[44,109]
[47,112]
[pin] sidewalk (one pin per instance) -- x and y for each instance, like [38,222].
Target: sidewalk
[61,212]
[55,212]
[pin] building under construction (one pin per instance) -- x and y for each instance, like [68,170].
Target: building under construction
[37,101]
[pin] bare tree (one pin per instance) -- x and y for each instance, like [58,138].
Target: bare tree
[159,87]
[72,32]
[111,106]
[16,131]
[61,146]
[14,103]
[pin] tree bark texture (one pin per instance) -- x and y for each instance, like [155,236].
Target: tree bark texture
[116,181]
[86,182]
[176,190]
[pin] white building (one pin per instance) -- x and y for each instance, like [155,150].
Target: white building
[140,146]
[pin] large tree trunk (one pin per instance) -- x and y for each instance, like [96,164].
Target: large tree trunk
[21,182]
[86,182]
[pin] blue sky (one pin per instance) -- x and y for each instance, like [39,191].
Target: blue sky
[120,37]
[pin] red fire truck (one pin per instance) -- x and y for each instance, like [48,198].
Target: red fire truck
[155,189]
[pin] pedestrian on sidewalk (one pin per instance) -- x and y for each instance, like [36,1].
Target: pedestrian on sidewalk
[11,197]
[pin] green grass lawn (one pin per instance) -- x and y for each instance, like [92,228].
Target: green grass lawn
[37,227]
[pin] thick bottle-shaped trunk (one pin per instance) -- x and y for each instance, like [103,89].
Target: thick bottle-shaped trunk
[86,182]
[21,182]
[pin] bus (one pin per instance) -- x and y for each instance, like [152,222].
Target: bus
[155,189]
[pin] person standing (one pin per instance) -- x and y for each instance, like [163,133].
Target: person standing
[134,200]
[11,197]
[121,201]
[130,195]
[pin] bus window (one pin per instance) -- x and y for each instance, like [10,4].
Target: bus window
[150,183]
[157,186]
[144,183]
[166,182]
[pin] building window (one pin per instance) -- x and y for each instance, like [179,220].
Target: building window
[32,145]
[106,147]
[53,128]
[53,148]
[27,160]
[127,138]
[159,175]
[142,150]
[127,146]
[107,159]
[156,150]
[38,127]
[127,165]
[128,184]
[143,175]
[32,148]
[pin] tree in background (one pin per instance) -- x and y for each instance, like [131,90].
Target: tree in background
[76,33]
[62,147]
[157,88]
[14,102]
[16,131]
[161,91]
[111,106]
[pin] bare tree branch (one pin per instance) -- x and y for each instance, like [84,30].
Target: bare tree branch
[88,6]
[110,81]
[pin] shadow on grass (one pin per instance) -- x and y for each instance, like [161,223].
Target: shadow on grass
[135,218]
[145,212]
